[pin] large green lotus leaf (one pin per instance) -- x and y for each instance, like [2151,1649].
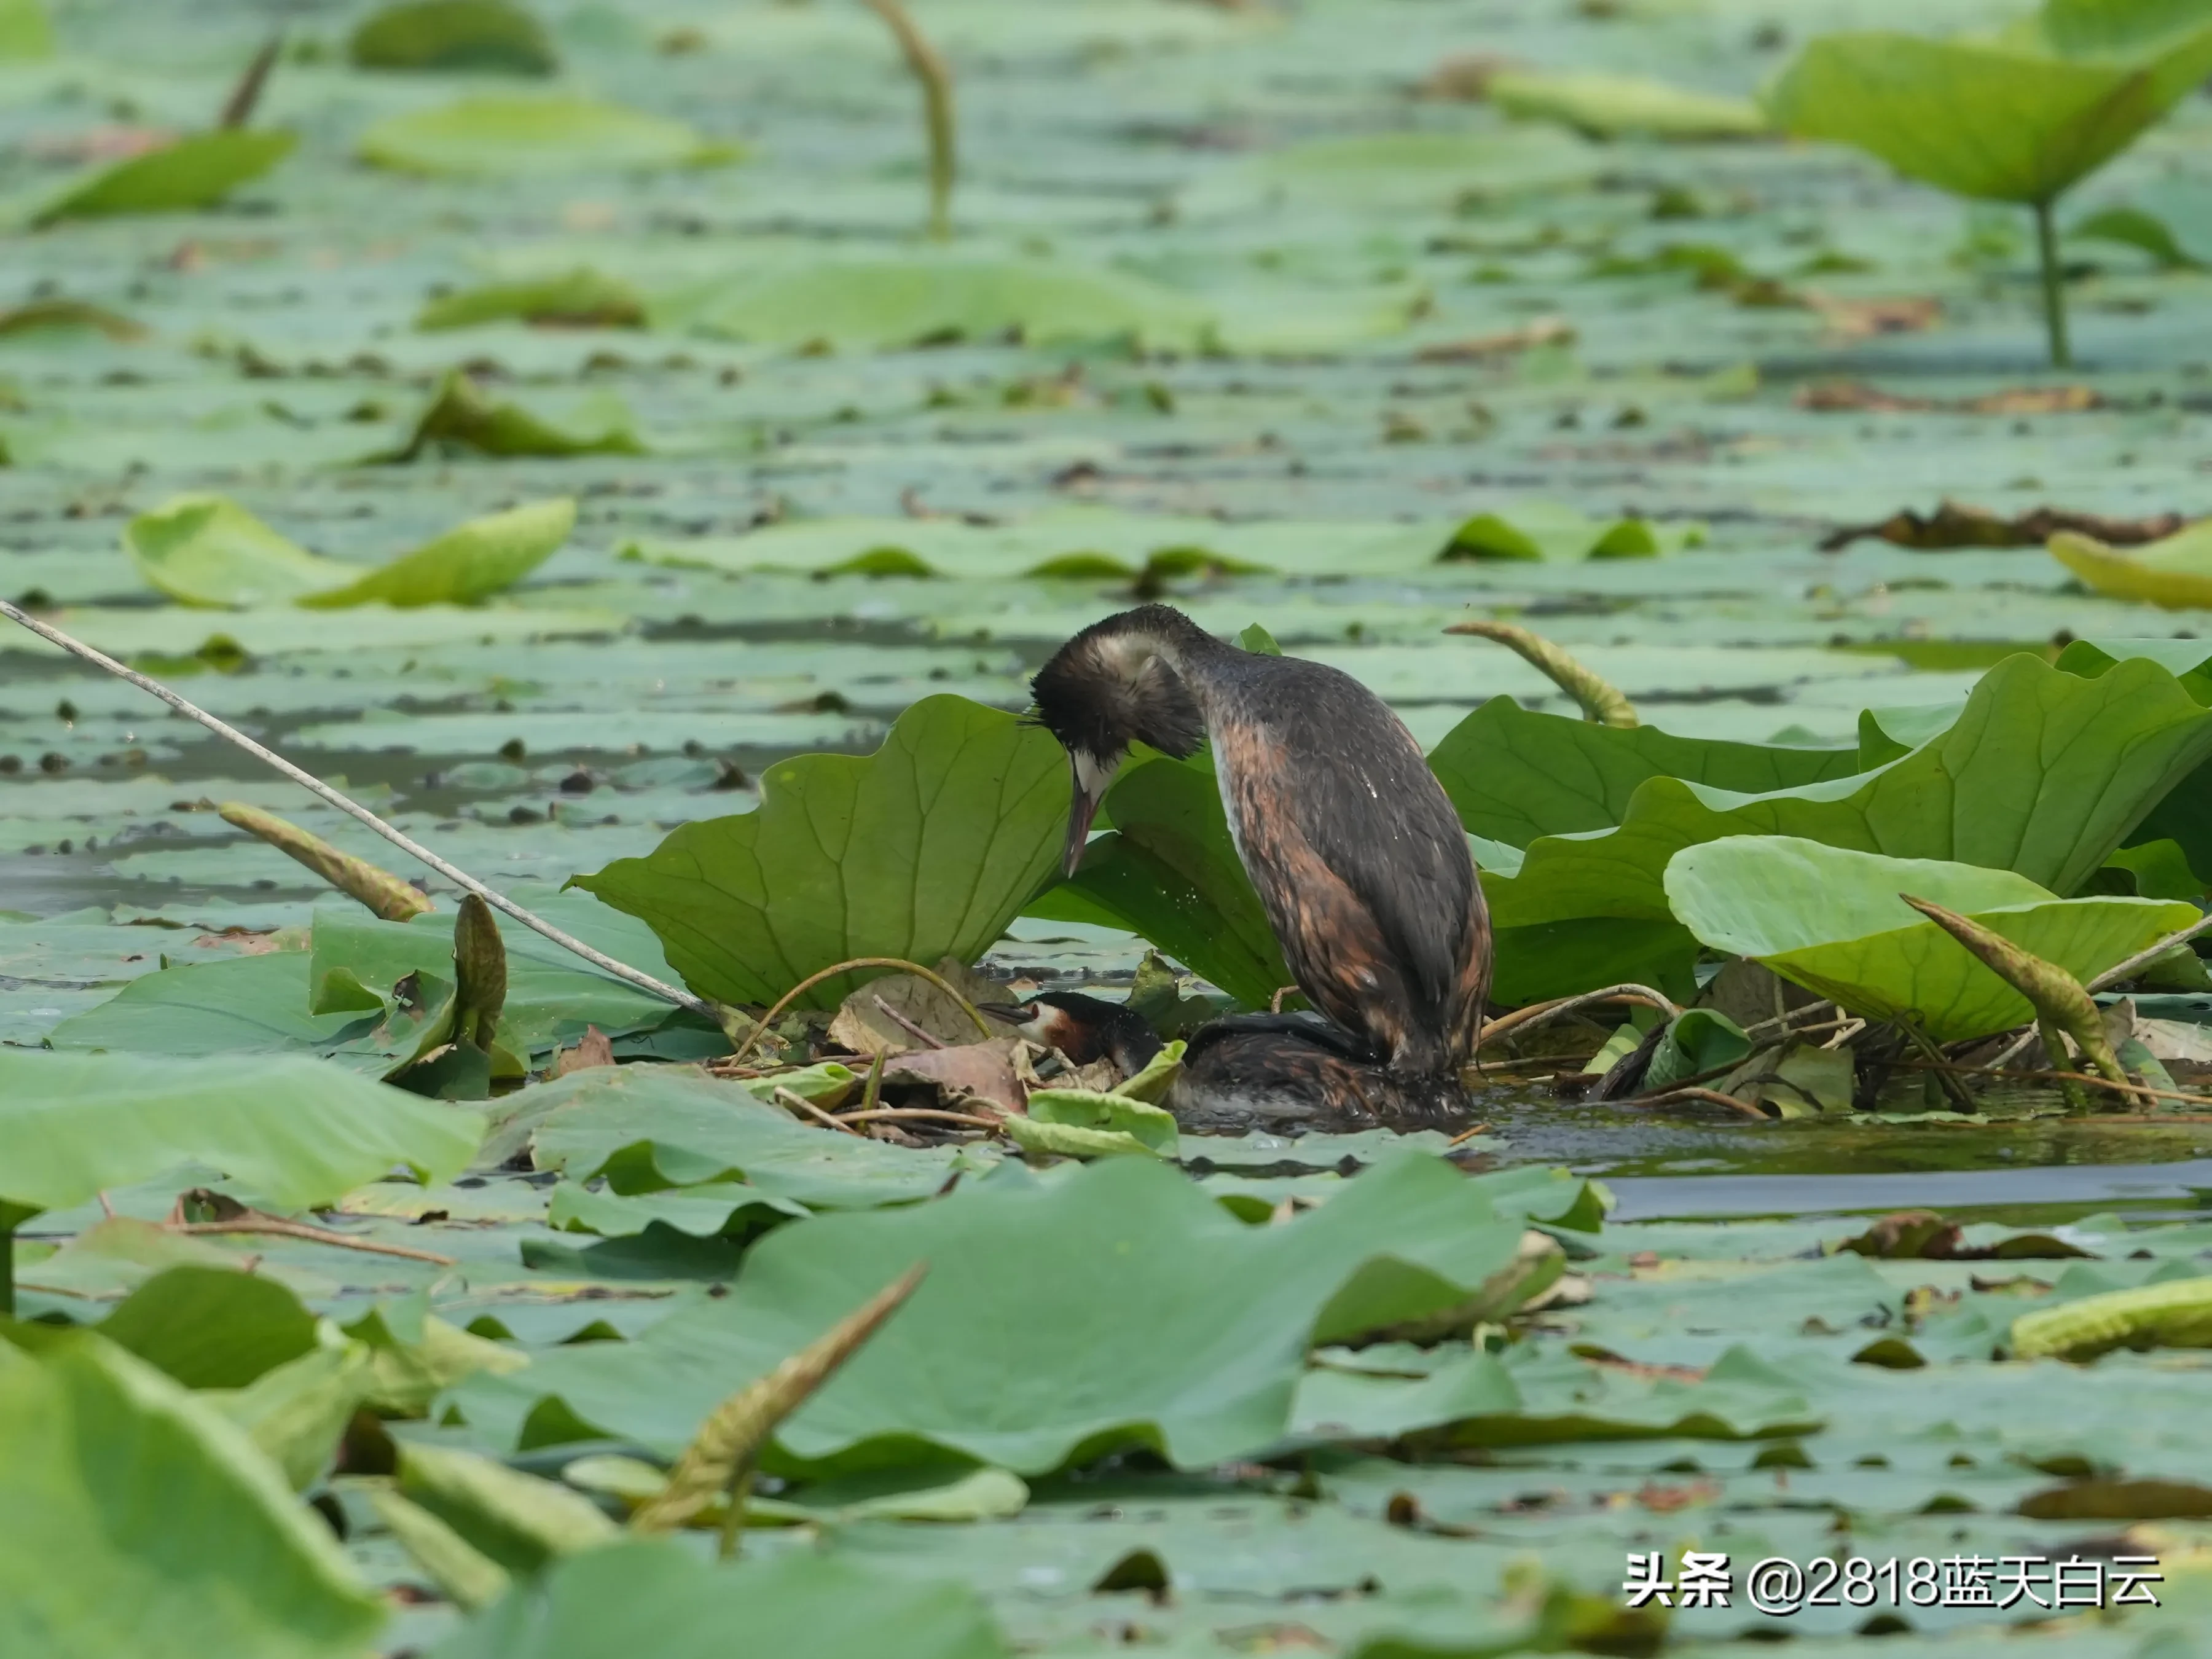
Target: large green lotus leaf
[926,848]
[1605,106]
[476,36]
[253,1005]
[551,994]
[1404,169]
[1059,1320]
[1831,919]
[1168,873]
[2107,29]
[650,1128]
[2043,773]
[135,1519]
[209,551]
[506,135]
[2184,814]
[921,297]
[211,1327]
[1515,774]
[2175,572]
[459,416]
[295,1131]
[1981,118]
[193,172]
[648,1595]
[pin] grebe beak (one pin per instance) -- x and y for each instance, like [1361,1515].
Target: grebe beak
[1089,788]
[1007,1013]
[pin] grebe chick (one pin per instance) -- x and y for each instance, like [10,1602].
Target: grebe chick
[1354,850]
[1085,1029]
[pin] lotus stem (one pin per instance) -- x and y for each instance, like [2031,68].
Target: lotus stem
[2060,1003]
[1602,701]
[386,895]
[831,972]
[2175,1314]
[12,1216]
[1543,1013]
[238,109]
[928,67]
[354,810]
[722,1455]
[2054,287]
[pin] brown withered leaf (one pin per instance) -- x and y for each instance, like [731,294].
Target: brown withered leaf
[1953,525]
[863,1027]
[594,1050]
[1861,319]
[1925,1235]
[1101,1074]
[1541,331]
[975,1074]
[1463,78]
[1844,396]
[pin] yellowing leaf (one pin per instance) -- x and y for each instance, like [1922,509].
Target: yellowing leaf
[2175,572]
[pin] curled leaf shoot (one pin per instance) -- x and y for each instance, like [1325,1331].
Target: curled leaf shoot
[835,969]
[2175,1314]
[385,894]
[2060,1003]
[1603,702]
[929,69]
[479,974]
[722,1456]
[360,814]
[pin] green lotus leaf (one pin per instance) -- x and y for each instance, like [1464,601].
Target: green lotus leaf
[852,302]
[1515,774]
[192,173]
[26,36]
[926,848]
[209,551]
[2175,572]
[295,1131]
[1602,105]
[90,1568]
[461,416]
[581,298]
[651,1596]
[1060,1320]
[1831,919]
[2006,121]
[476,36]
[2043,773]
[510,135]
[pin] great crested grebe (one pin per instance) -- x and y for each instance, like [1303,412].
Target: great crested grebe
[1356,853]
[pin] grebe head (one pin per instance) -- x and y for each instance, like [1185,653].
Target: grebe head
[1112,684]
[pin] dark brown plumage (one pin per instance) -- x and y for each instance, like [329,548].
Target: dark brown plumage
[1356,853]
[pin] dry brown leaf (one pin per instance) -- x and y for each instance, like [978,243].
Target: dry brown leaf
[1542,331]
[978,1072]
[1956,524]
[593,1050]
[1860,320]
[1844,396]
[862,1028]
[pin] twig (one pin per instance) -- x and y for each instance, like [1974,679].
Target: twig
[1789,1018]
[905,1024]
[2104,1083]
[1544,1012]
[232,1216]
[1275,1002]
[1920,1040]
[1465,1135]
[837,968]
[353,808]
[1711,1096]
[928,67]
[794,1102]
[872,1092]
[2150,953]
[872,1114]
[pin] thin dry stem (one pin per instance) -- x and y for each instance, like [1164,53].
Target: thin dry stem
[928,67]
[245,97]
[931,1113]
[805,1108]
[907,1025]
[1543,1013]
[232,1216]
[354,810]
[1711,1096]
[837,967]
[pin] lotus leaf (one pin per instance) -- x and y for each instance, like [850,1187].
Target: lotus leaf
[925,850]
[923,299]
[1058,1319]
[209,551]
[574,298]
[485,36]
[1831,919]
[2043,773]
[2175,572]
[509,135]
[1602,105]
[90,1569]
[192,173]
